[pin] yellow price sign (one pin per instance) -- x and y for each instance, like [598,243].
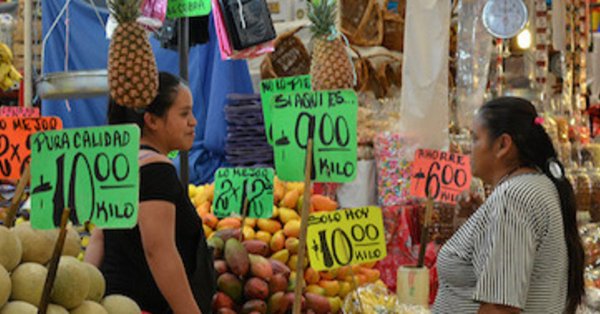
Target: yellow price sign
[345,237]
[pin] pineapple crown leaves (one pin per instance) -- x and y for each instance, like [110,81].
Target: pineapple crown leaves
[124,11]
[322,14]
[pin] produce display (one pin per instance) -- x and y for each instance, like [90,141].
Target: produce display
[78,288]
[256,262]
[9,75]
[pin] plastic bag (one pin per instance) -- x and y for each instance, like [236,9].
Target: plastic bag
[155,10]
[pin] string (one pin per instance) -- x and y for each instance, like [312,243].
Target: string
[67,33]
[241,12]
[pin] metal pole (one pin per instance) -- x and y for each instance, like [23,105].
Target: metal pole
[27,66]
[184,47]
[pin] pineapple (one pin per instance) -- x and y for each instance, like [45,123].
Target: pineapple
[132,72]
[331,67]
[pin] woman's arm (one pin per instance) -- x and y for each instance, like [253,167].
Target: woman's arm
[488,308]
[94,253]
[157,228]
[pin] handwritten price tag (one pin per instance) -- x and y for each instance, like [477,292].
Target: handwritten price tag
[330,118]
[21,112]
[345,237]
[233,185]
[440,175]
[93,171]
[14,142]
[187,8]
[268,88]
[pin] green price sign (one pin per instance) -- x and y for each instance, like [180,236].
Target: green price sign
[268,88]
[187,8]
[329,117]
[233,185]
[92,171]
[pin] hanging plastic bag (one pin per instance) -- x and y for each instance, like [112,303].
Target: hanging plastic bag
[154,12]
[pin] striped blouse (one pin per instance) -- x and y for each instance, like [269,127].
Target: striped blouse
[511,251]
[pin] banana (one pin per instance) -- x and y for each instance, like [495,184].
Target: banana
[4,70]
[14,74]
[5,53]
[8,82]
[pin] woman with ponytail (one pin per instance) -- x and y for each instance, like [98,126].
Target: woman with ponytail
[520,251]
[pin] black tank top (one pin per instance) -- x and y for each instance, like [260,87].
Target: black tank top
[124,265]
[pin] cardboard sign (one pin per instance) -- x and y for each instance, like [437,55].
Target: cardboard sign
[187,8]
[14,142]
[329,117]
[345,237]
[268,88]
[440,175]
[93,171]
[21,112]
[233,185]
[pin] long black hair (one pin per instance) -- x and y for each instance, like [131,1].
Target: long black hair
[518,118]
[168,85]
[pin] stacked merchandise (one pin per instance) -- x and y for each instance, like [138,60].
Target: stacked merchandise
[18,44]
[246,143]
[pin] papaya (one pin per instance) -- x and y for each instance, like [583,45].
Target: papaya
[278,304]
[254,306]
[317,303]
[256,247]
[260,267]
[277,242]
[290,200]
[222,301]
[268,225]
[323,203]
[236,257]
[229,223]
[256,288]
[278,283]
[229,284]
[279,268]
[220,267]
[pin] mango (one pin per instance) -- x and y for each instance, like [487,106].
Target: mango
[311,276]
[371,275]
[329,275]
[260,267]
[220,267]
[226,311]
[323,203]
[203,209]
[290,299]
[278,283]
[221,301]
[210,220]
[345,288]
[332,287]
[256,288]
[369,264]
[292,282]
[269,225]
[300,203]
[299,186]
[282,256]
[275,213]
[229,284]
[217,244]
[279,268]
[250,222]
[263,236]
[292,244]
[207,230]
[342,272]
[256,247]
[286,215]
[226,234]
[236,257]
[254,306]
[290,199]
[292,229]
[277,242]
[278,304]
[317,303]
[209,191]
[278,190]
[335,304]
[229,223]
[248,233]
[293,262]
[315,289]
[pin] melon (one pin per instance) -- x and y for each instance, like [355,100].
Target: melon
[72,243]
[5,286]
[10,249]
[38,245]
[28,283]
[72,283]
[120,304]
[89,307]
[56,309]
[18,307]
[97,283]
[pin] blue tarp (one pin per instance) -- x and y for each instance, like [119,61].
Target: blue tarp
[211,79]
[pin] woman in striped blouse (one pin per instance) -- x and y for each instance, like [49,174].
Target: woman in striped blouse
[520,251]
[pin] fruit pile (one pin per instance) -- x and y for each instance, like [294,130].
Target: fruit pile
[256,262]
[79,287]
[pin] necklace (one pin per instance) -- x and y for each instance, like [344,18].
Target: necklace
[507,175]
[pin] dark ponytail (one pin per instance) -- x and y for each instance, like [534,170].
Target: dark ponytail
[168,85]
[518,118]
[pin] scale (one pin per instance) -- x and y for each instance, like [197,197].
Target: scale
[505,18]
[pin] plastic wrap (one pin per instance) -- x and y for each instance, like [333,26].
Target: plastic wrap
[155,10]
[473,59]
[375,298]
